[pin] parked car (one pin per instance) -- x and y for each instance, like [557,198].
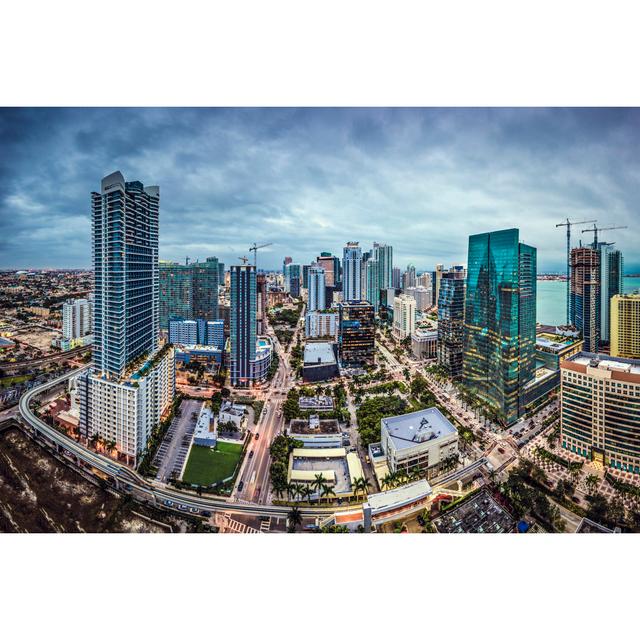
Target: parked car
[257,434]
[251,453]
[240,485]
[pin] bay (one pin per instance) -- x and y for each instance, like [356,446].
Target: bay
[552,299]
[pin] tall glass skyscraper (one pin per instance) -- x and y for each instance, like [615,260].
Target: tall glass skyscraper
[351,272]
[132,381]
[451,322]
[175,292]
[611,272]
[383,254]
[242,323]
[206,278]
[584,297]
[500,321]
[372,283]
[317,289]
[125,262]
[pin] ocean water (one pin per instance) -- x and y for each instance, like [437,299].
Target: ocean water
[552,299]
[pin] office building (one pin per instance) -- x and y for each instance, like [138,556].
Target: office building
[285,262]
[424,344]
[214,335]
[262,302]
[420,441]
[422,296]
[396,278]
[451,322]
[625,326]
[584,298]
[292,279]
[372,283]
[331,266]
[205,282]
[317,300]
[351,272]
[438,278]
[321,324]
[404,316]
[356,333]
[409,277]
[611,272]
[500,321]
[383,255]
[77,318]
[600,409]
[425,280]
[132,382]
[250,356]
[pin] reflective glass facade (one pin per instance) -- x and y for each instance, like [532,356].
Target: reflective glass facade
[500,320]
[242,323]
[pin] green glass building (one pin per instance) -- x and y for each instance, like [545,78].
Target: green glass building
[500,321]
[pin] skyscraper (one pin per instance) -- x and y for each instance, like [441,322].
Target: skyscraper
[625,326]
[77,318]
[262,294]
[351,272]
[383,254]
[451,322]
[243,323]
[584,299]
[438,272]
[396,278]
[404,316]
[317,301]
[372,283]
[206,278]
[611,271]
[356,333]
[409,277]
[175,292]
[500,321]
[132,381]
[328,263]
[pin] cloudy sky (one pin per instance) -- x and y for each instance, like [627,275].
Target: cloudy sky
[309,180]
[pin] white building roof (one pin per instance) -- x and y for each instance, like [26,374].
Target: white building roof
[412,429]
[395,498]
[319,353]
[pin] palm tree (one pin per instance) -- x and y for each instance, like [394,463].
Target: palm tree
[390,480]
[319,483]
[297,490]
[360,484]
[295,519]
[328,491]
[592,483]
[93,440]
[306,492]
[111,445]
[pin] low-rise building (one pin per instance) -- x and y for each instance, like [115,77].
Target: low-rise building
[321,324]
[234,413]
[421,440]
[320,362]
[315,403]
[205,433]
[424,344]
[316,433]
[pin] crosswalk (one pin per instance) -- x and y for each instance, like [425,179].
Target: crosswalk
[228,525]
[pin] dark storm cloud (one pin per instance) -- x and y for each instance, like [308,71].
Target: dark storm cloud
[309,180]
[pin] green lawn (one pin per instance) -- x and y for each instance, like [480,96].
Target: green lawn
[206,466]
[11,380]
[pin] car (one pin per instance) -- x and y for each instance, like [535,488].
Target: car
[206,514]
[167,503]
[257,435]
[183,507]
[240,485]
[194,510]
[251,453]
[500,450]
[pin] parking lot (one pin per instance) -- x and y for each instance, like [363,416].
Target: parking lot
[173,450]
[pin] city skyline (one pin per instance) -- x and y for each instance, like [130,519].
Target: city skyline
[309,180]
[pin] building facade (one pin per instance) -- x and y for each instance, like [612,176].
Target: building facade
[584,298]
[404,316]
[500,321]
[132,382]
[322,324]
[317,289]
[451,322]
[351,272]
[243,323]
[356,334]
[600,409]
[625,326]
[77,318]
[424,344]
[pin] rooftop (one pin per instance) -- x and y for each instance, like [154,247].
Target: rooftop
[479,514]
[319,353]
[411,429]
[603,361]
[395,498]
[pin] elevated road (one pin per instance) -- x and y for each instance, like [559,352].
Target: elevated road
[128,480]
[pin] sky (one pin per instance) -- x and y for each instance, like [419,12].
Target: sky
[310,180]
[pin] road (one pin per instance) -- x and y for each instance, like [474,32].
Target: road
[11,368]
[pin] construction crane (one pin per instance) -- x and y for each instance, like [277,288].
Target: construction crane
[244,260]
[595,232]
[569,224]
[254,247]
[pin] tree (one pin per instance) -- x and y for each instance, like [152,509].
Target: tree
[328,492]
[360,484]
[319,483]
[306,493]
[295,519]
[592,482]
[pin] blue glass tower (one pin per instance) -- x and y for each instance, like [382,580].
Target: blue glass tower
[242,323]
[500,321]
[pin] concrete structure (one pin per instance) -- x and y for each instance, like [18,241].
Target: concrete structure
[500,321]
[404,316]
[315,403]
[424,344]
[400,502]
[600,409]
[321,324]
[351,272]
[420,440]
[625,326]
[205,354]
[585,298]
[232,412]
[422,296]
[320,362]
